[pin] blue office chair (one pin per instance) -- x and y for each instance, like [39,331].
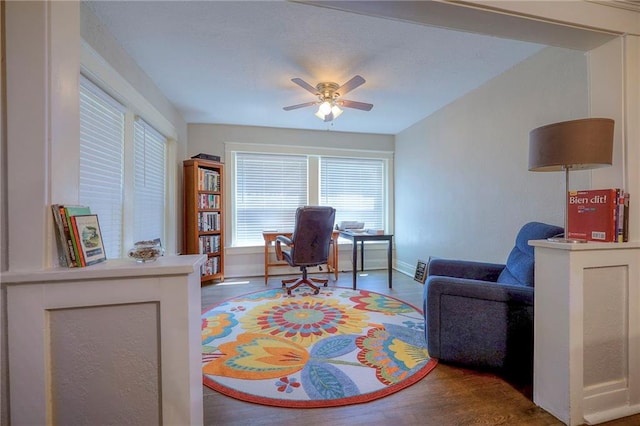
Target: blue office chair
[479,314]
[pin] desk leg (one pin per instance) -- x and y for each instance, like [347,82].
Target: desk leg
[389,263]
[266,262]
[362,256]
[354,262]
[335,258]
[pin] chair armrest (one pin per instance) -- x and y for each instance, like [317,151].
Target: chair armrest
[437,286]
[479,323]
[465,269]
[279,240]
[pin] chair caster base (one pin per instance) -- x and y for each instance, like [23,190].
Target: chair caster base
[306,281]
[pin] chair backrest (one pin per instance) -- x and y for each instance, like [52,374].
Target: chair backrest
[312,235]
[520,263]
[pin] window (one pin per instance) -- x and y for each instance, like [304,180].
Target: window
[149,185]
[268,188]
[101,162]
[355,188]
[106,182]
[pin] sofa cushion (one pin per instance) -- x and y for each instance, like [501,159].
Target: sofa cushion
[520,263]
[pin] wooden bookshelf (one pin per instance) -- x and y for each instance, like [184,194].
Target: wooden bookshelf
[204,215]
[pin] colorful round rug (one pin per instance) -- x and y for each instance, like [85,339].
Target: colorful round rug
[339,347]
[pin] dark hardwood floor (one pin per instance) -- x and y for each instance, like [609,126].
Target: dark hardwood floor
[446,396]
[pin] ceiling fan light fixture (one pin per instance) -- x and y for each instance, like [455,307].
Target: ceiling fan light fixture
[325,108]
[328,96]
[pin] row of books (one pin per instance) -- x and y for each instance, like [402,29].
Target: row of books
[211,266]
[209,201]
[78,236]
[209,244]
[209,221]
[208,180]
[598,215]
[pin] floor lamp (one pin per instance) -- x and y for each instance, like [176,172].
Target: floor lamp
[571,145]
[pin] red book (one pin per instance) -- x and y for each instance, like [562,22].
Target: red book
[592,215]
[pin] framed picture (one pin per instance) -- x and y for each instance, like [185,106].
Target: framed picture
[87,230]
[421,272]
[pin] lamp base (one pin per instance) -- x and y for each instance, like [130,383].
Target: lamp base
[566,240]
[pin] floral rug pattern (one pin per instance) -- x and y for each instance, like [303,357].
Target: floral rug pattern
[339,347]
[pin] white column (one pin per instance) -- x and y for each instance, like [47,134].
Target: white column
[587,330]
[42,63]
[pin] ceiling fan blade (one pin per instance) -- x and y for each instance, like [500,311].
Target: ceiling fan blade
[357,105]
[306,104]
[351,84]
[306,86]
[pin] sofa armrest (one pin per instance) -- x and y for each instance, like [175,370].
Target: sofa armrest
[465,269]
[437,286]
[478,323]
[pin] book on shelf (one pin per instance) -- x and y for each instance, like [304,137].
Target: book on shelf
[71,211]
[597,215]
[211,266]
[208,221]
[86,228]
[209,157]
[209,244]
[63,237]
[625,218]
[66,240]
[209,201]
[208,179]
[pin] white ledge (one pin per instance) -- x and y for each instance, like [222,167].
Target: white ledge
[591,245]
[114,268]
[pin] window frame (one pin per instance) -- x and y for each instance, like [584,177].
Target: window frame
[314,154]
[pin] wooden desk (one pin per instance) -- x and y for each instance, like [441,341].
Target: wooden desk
[356,238]
[270,238]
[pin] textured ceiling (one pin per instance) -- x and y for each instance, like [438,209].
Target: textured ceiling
[232,62]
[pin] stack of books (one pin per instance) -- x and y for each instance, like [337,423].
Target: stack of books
[78,236]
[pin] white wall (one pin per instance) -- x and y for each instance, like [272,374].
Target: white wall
[211,138]
[606,89]
[462,185]
[93,32]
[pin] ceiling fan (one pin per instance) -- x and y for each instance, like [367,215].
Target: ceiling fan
[329,97]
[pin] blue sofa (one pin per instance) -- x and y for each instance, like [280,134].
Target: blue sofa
[480,315]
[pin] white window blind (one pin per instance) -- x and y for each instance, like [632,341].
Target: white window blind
[149,182]
[355,187]
[101,162]
[268,190]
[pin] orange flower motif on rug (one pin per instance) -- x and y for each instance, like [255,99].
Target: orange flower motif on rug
[258,356]
[305,320]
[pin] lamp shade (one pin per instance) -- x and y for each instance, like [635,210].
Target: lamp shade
[577,144]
